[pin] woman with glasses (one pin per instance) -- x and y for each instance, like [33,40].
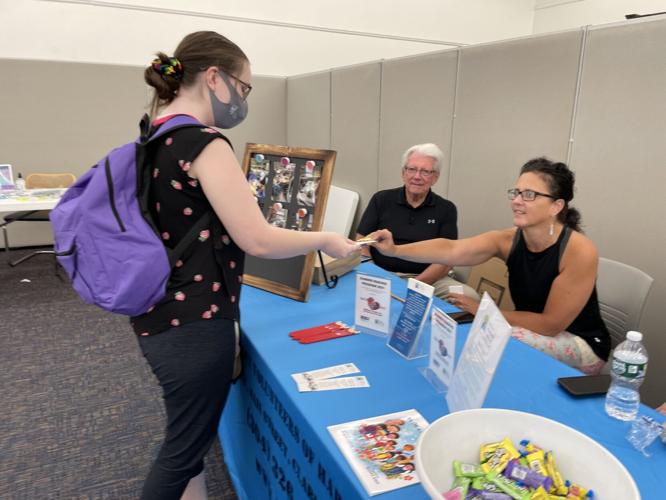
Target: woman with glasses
[552,267]
[190,338]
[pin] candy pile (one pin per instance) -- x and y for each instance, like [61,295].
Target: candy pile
[506,473]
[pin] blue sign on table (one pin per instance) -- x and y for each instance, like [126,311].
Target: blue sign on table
[407,331]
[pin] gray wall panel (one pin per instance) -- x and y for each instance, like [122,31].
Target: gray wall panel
[355,97]
[309,111]
[266,121]
[619,154]
[515,101]
[416,107]
[66,116]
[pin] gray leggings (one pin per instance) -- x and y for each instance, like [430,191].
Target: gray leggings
[193,364]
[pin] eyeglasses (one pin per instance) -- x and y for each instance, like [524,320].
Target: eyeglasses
[424,173]
[526,194]
[246,88]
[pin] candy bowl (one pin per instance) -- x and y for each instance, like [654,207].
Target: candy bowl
[460,435]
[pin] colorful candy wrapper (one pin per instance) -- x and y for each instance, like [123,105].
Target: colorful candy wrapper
[540,494]
[466,470]
[537,462]
[482,484]
[578,492]
[511,488]
[527,476]
[487,450]
[500,457]
[458,489]
[554,474]
[492,495]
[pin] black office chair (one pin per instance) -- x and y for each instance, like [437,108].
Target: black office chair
[35,181]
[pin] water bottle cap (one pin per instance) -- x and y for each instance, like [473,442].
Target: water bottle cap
[634,336]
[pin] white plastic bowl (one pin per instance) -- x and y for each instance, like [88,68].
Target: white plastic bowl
[459,436]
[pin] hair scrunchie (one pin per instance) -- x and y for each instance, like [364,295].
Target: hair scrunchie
[173,68]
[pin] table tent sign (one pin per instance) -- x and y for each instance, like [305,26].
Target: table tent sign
[481,354]
[406,338]
[373,304]
[439,371]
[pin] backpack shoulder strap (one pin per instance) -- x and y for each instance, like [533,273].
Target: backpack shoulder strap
[175,253]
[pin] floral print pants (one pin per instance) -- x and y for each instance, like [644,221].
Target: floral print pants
[566,347]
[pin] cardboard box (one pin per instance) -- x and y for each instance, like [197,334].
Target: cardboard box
[492,277]
[336,267]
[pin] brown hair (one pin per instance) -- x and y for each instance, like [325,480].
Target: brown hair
[560,180]
[196,52]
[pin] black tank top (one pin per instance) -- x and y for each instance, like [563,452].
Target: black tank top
[531,275]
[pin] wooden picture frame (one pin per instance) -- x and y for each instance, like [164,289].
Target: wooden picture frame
[291,187]
[495,290]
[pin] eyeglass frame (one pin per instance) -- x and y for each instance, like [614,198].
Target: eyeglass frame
[513,193]
[246,88]
[426,174]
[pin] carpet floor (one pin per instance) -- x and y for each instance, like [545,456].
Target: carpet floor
[81,413]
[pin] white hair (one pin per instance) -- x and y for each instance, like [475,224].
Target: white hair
[429,149]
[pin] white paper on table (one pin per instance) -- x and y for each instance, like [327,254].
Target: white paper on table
[373,302]
[324,373]
[479,359]
[332,384]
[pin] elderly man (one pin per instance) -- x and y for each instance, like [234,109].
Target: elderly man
[414,213]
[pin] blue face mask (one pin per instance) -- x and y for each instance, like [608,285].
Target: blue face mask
[228,115]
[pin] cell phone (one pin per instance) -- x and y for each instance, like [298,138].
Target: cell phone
[462,317]
[586,384]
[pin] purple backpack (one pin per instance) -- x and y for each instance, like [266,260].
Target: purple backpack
[105,238]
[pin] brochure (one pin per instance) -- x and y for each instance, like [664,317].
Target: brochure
[442,349]
[381,450]
[405,336]
[373,303]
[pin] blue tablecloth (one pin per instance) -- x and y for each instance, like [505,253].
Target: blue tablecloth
[275,439]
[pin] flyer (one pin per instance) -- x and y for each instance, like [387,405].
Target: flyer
[442,348]
[381,450]
[479,359]
[407,331]
[373,302]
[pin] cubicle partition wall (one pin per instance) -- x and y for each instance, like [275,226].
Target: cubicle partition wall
[515,102]
[594,97]
[355,93]
[417,97]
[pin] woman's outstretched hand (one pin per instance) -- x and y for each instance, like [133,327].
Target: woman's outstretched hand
[383,241]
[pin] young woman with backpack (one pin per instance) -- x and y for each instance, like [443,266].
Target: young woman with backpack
[189,337]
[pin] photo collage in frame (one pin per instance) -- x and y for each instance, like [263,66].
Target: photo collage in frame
[286,189]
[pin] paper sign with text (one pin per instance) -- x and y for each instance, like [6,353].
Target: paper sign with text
[479,359]
[442,346]
[373,302]
[407,331]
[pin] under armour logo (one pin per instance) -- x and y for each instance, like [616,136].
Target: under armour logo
[432,221]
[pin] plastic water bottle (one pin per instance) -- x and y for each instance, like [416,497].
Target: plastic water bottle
[20,183]
[628,372]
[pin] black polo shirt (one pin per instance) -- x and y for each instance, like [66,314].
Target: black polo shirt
[434,218]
